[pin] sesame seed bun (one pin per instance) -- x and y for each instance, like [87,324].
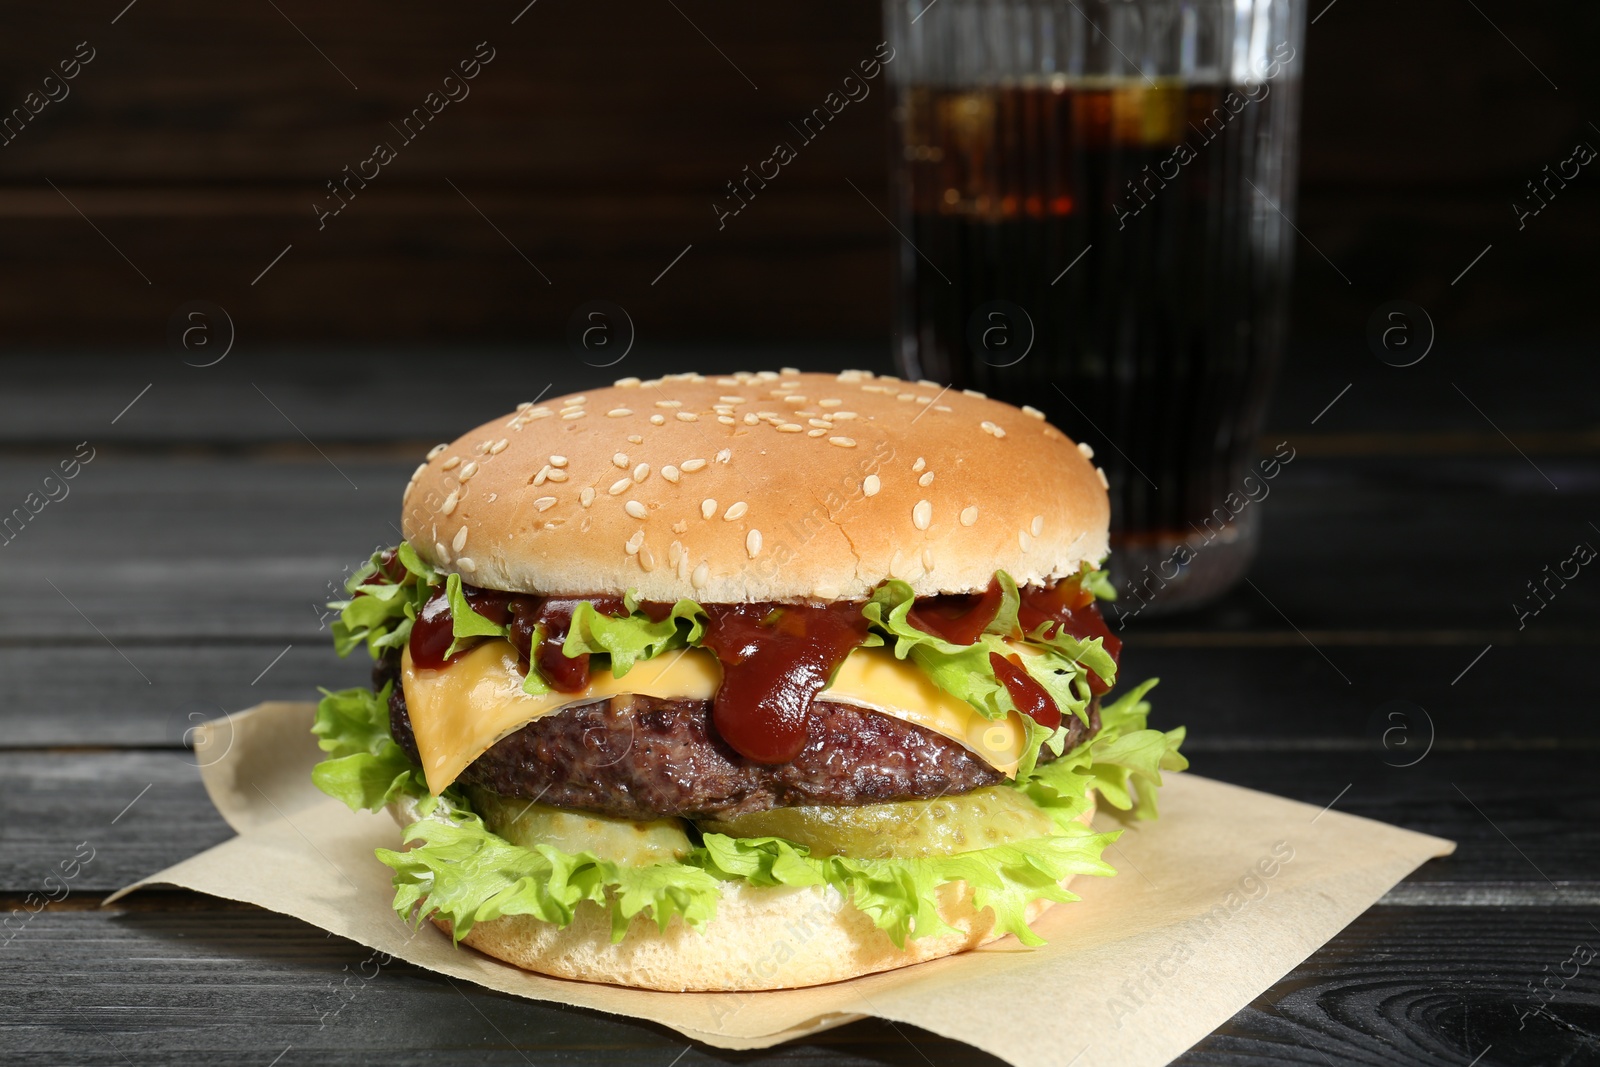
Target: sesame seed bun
[759,487]
[762,937]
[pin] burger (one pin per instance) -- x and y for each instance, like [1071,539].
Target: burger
[742,682]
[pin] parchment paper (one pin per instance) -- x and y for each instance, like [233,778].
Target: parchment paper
[1214,902]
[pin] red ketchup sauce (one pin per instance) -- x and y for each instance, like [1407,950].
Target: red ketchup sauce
[523,614]
[1066,608]
[1028,695]
[775,660]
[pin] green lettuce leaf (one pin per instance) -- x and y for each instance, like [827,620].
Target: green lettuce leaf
[365,768]
[381,616]
[1123,762]
[457,869]
[1098,582]
[635,636]
[465,623]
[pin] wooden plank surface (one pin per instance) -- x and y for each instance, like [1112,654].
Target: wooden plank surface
[1413,986]
[144,810]
[256,547]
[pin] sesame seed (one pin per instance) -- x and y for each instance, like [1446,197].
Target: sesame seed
[621,460]
[436,450]
[752,543]
[794,400]
[702,575]
[787,370]
[1083,447]
[940,407]
[525,405]
[843,442]
[870,485]
[732,399]
[570,415]
[974,392]
[991,428]
[681,526]
[636,509]
[498,447]
[540,414]
[1037,526]
[687,416]
[821,424]
[451,463]
[657,420]
[670,473]
[544,472]
[830,402]
[727,420]
[438,549]
[468,470]
[689,466]
[558,461]
[634,543]
[617,413]
[466,563]
[922,515]
[623,383]
[647,558]
[484,446]
[919,465]
[450,502]
[1029,409]
[906,396]
[725,455]
[838,416]
[927,557]
[751,419]
[789,427]
[926,480]
[708,508]
[459,541]
[969,515]
[1024,540]
[545,503]
[635,439]
[574,401]
[587,496]
[558,476]
[1101,471]
[619,485]
[815,433]
[669,403]
[641,472]
[418,472]
[736,511]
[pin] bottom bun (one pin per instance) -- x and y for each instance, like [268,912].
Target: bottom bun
[762,937]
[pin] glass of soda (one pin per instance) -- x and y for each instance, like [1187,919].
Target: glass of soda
[1096,197]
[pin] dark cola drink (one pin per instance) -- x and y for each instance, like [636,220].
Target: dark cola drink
[1115,252]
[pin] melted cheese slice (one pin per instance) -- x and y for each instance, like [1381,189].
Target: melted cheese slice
[459,711]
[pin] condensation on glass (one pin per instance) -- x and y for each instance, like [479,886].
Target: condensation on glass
[1096,198]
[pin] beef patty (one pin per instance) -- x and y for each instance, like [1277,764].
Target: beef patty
[637,757]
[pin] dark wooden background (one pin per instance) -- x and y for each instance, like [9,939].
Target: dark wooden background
[200,137]
[223,502]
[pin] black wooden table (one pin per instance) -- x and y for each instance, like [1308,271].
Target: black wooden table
[182,575]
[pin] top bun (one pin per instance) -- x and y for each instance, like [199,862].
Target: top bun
[758,487]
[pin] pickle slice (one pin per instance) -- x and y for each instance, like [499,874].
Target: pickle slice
[944,826]
[623,841]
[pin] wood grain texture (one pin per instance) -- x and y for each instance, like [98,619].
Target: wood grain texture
[1548,826]
[1398,986]
[1234,697]
[251,549]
